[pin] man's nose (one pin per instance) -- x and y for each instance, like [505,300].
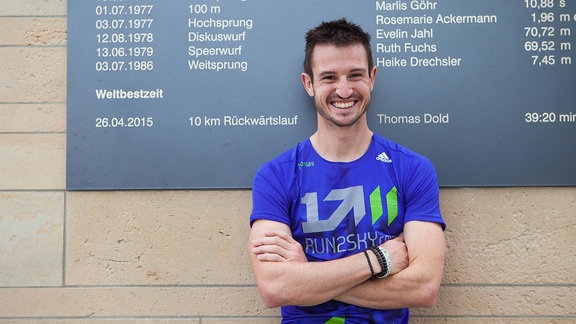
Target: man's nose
[343,89]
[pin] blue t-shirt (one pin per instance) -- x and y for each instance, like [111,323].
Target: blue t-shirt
[337,209]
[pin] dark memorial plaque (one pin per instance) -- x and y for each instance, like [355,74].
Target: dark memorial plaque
[197,94]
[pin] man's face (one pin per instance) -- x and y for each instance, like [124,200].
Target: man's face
[342,83]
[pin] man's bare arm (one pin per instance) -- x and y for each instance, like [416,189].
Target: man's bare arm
[298,282]
[285,277]
[415,286]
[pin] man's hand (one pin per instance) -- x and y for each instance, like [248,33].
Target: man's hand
[398,253]
[278,247]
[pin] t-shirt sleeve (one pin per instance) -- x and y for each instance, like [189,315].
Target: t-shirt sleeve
[269,198]
[422,194]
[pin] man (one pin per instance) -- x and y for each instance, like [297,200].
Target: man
[345,226]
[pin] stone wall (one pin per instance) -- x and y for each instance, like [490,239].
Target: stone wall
[180,256]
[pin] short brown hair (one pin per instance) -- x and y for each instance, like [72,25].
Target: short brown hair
[340,33]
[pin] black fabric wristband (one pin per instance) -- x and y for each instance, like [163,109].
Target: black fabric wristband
[382,261]
[369,264]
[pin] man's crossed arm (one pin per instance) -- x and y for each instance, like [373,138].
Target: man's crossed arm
[285,277]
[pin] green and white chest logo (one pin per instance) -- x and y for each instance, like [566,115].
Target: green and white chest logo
[352,199]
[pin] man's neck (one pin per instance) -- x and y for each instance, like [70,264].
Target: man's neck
[342,144]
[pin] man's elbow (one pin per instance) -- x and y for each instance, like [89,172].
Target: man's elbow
[276,294]
[427,296]
[271,300]
[273,294]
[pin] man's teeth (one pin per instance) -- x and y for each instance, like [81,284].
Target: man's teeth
[343,104]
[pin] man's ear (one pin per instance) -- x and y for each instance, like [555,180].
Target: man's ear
[307,83]
[373,78]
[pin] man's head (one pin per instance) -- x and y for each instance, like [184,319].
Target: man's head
[339,33]
[339,73]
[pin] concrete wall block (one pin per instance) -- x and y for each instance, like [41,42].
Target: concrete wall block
[106,321]
[33,7]
[274,320]
[32,161]
[33,31]
[503,301]
[187,320]
[127,302]
[510,235]
[230,301]
[33,74]
[31,239]
[158,238]
[491,320]
[32,118]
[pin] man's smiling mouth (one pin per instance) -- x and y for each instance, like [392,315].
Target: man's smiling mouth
[343,104]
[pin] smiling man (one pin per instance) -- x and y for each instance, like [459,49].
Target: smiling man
[346,226]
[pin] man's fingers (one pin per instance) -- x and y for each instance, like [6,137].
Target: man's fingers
[278,247]
[283,235]
[268,248]
[281,239]
[270,257]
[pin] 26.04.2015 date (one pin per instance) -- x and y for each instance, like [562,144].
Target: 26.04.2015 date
[128,122]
